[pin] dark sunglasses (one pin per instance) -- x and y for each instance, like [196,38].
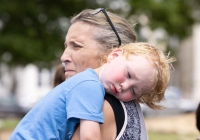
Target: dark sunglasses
[109,21]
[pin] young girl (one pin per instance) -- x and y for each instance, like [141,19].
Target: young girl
[136,71]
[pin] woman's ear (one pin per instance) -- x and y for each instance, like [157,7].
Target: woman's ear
[115,53]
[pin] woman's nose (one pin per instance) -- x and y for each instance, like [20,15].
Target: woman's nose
[65,57]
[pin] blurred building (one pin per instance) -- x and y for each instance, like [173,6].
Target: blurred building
[188,69]
[196,63]
[30,86]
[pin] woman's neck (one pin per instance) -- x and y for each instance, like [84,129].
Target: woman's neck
[99,70]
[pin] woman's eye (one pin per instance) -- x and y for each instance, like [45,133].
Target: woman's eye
[76,47]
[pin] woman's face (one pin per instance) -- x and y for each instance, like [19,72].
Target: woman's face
[81,50]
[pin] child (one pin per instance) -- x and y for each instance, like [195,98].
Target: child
[136,71]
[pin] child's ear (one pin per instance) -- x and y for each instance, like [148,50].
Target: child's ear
[115,53]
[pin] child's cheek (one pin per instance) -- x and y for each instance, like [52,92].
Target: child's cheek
[118,78]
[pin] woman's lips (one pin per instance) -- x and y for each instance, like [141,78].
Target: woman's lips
[69,73]
[69,70]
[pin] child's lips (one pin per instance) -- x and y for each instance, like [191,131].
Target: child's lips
[114,90]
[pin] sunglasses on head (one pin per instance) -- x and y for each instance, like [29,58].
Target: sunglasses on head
[109,21]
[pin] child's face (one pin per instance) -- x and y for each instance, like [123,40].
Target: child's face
[128,79]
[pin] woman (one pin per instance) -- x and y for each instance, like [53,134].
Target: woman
[91,32]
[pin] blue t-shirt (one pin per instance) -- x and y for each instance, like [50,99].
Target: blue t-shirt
[57,114]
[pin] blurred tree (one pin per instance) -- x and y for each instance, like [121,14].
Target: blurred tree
[33,31]
[176,16]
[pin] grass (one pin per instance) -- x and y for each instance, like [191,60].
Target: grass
[10,124]
[170,136]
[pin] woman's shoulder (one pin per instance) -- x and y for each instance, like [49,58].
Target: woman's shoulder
[128,118]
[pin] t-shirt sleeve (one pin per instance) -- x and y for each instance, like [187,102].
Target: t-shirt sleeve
[85,101]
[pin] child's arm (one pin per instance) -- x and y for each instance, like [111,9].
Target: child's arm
[89,130]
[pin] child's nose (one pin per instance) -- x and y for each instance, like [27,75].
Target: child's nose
[126,86]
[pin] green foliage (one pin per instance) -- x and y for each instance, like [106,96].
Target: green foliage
[176,16]
[31,31]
